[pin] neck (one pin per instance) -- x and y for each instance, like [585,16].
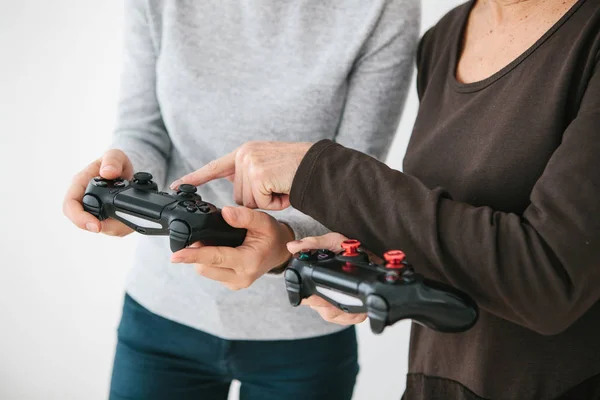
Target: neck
[502,11]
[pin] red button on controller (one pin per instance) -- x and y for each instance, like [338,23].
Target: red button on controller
[350,247]
[394,259]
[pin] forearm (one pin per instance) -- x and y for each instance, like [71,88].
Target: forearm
[504,261]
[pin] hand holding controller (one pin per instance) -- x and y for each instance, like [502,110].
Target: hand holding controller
[387,293]
[183,216]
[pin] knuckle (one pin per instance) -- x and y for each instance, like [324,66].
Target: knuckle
[256,172]
[245,149]
[253,144]
[216,258]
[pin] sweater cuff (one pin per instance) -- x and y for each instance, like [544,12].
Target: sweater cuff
[305,170]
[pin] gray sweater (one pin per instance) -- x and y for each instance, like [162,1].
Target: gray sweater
[202,77]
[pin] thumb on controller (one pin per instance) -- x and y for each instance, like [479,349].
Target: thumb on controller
[115,164]
[330,241]
[243,217]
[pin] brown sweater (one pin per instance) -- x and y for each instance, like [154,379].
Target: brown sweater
[501,198]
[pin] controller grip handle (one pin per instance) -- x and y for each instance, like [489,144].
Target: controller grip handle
[440,307]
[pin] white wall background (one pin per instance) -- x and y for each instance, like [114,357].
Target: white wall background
[59,299]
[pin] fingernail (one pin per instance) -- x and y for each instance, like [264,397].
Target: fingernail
[175,184]
[91,227]
[108,169]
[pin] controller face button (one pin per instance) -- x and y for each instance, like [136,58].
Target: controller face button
[191,209]
[101,183]
[391,277]
[204,209]
[119,184]
[98,179]
[201,203]
[324,254]
[304,255]
[187,203]
[408,276]
[350,247]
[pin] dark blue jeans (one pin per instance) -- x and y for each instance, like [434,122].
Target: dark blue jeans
[160,359]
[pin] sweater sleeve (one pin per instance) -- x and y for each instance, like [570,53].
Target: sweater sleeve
[379,81]
[140,131]
[539,269]
[377,88]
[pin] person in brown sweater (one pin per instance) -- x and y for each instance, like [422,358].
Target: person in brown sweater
[500,197]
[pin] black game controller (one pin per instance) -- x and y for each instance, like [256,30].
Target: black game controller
[387,293]
[183,216]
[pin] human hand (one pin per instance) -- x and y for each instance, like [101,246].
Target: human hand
[327,311]
[237,268]
[113,164]
[262,173]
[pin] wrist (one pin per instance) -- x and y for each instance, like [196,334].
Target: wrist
[287,235]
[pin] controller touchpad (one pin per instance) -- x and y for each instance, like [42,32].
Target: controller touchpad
[142,202]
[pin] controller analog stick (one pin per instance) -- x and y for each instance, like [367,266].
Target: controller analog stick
[394,259]
[142,178]
[350,247]
[187,189]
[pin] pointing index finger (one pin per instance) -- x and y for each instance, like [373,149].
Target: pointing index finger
[219,168]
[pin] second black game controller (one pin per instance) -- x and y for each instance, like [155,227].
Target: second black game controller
[183,216]
[387,293]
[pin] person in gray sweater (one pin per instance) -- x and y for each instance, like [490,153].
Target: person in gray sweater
[199,79]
